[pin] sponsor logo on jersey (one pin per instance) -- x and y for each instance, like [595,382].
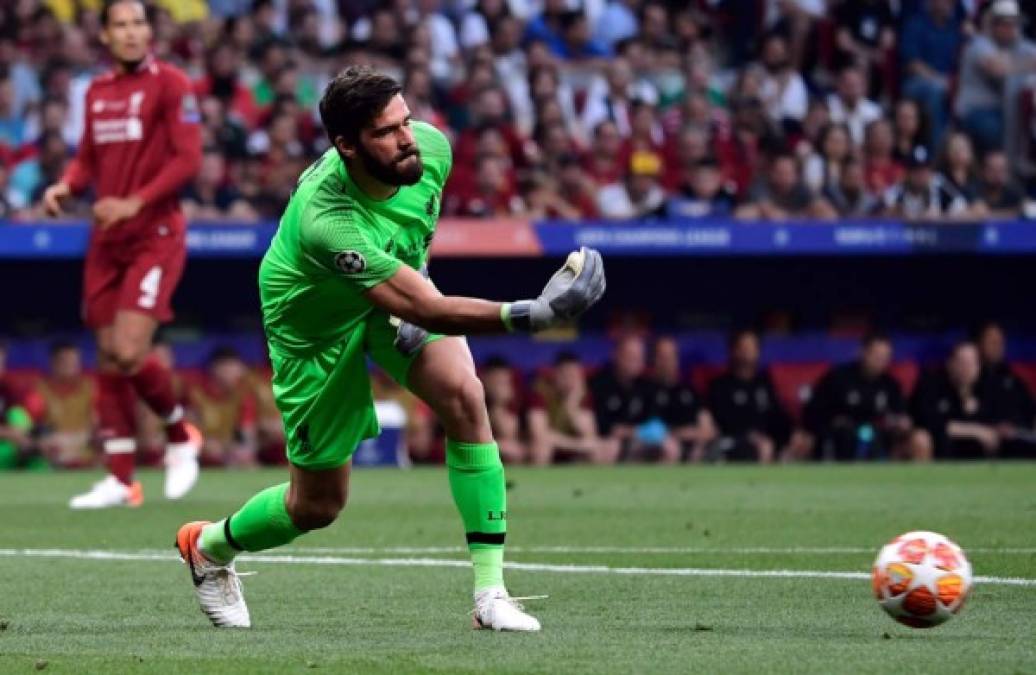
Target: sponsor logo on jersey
[350,262]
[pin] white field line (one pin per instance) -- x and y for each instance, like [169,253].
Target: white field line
[77,554]
[637,550]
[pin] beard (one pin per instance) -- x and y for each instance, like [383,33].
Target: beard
[392,173]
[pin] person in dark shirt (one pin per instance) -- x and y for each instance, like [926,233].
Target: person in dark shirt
[752,422]
[624,407]
[1000,195]
[1010,400]
[677,404]
[956,420]
[857,410]
[865,31]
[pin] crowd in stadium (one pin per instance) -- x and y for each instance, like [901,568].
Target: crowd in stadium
[643,405]
[567,109]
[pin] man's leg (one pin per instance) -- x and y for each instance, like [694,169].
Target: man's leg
[327,408]
[443,376]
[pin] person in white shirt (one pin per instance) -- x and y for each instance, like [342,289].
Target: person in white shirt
[849,104]
[783,90]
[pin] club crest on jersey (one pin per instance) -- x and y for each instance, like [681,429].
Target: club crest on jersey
[350,262]
[429,207]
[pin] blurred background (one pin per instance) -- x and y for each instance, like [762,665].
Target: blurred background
[817,218]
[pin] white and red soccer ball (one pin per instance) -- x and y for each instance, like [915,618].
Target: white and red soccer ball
[921,579]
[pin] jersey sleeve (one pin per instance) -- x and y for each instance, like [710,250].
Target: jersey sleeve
[182,119]
[336,242]
[435,151]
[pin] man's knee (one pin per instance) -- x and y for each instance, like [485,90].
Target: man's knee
[464,401]
[315,513]
[127,352]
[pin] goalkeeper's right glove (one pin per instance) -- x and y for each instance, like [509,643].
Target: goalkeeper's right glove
[571,291]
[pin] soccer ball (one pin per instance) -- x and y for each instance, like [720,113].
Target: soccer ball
[921,579]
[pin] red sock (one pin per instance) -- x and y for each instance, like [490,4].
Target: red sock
[154,384]
[117,416]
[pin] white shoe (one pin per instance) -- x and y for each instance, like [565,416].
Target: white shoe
[496,610]
[218,587]
[108,493]
[181,464]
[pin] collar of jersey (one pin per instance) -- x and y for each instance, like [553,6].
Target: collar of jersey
[359,195]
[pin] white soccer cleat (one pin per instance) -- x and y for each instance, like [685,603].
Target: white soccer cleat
[109,493]
[218,587]
[496,610]
[181,464]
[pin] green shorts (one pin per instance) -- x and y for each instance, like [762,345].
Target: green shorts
[326,400]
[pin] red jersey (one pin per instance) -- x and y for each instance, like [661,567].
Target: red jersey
[142,138]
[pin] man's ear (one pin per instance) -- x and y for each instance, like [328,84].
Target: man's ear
[103,37]
[344,148]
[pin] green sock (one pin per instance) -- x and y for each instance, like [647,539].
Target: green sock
[477,484]
[262,523]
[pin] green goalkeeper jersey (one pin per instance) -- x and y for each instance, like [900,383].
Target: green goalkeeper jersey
[334,242]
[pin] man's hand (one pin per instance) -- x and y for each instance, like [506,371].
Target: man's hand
[111,210]
[53,196]
[573,289]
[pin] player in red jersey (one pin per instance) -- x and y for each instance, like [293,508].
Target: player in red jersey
[141,144]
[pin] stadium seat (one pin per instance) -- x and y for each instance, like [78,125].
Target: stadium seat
[794,383]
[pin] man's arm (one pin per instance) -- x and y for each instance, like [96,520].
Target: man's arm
[183,124]
[571,291]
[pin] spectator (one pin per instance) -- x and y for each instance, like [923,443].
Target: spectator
[911,129]
[612,98]
[783,90]
[865,34]
[925,194]
[640,195]
[561,418]
[881,170]
[16,447]
[222,82]
[603,163]
[617,22]
[850,105]
[493,194]
[68,418]
[958,165]
[678,405]
[928,49]
[623,402]
[705,195]
[211,197]
[224,411]
[956,421]
[823,167]
[475,23]
[505,409]
[445,56]
[857,410]
[996,190]
[1009,397]
[783,196]
[740,150]
[12,124]
[849,195]
[753,425]
[990,67]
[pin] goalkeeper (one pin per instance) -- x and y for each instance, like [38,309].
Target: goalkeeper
[348,258]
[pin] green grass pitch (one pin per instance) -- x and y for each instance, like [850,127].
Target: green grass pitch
[377,591]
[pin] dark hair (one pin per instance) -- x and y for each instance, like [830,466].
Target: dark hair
[873,337]
[565,356]
[106,9]
[59,346]
[223,353]
[496,362]
[980,329]
[353,99]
